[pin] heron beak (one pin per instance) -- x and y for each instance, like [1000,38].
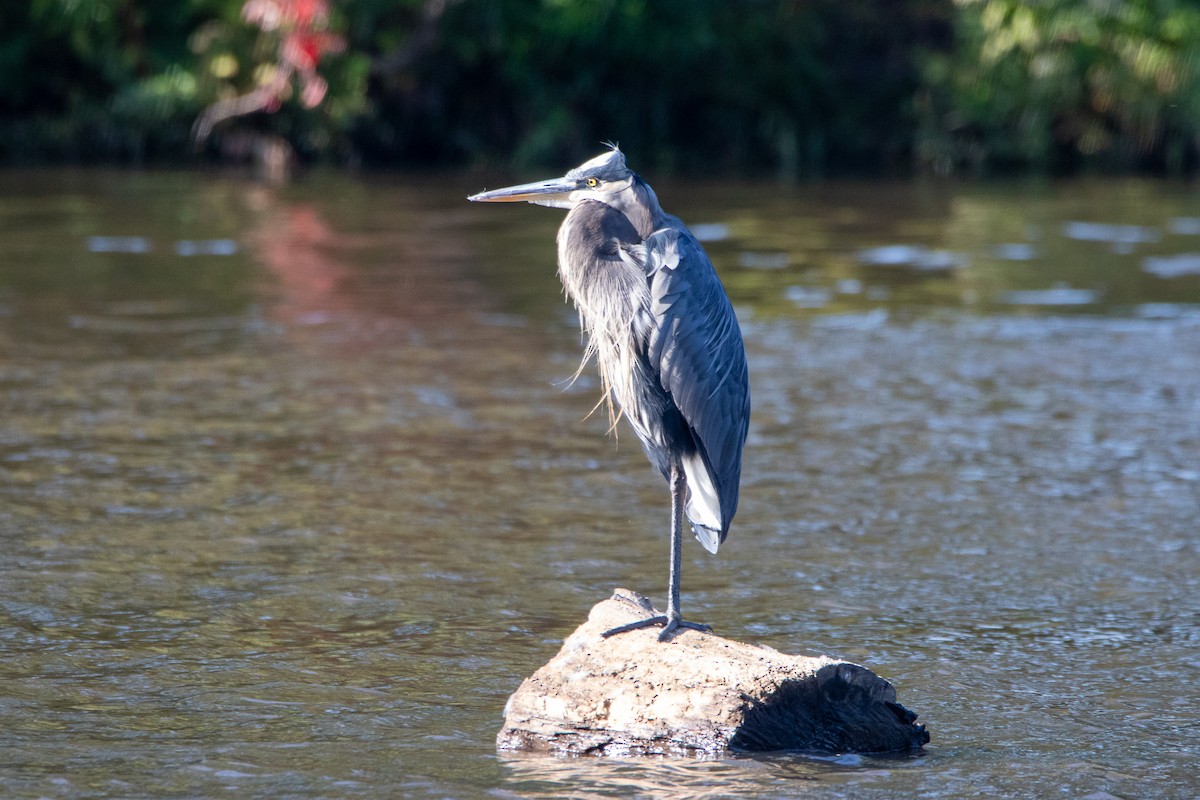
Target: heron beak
[554,193]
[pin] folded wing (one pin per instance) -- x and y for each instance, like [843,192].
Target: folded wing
[695,344]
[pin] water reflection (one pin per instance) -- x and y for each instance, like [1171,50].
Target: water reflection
[294,518]
[534,776]
[297,247]
[913,257]
[1059,295]
[1172,266]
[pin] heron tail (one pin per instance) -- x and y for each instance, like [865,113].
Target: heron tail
[709,538]
[703,504]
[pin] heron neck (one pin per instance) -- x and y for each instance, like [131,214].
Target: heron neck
[640,205]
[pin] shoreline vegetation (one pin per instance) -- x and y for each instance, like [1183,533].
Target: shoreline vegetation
[798,90]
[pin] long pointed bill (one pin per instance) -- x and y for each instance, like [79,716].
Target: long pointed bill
[555,193]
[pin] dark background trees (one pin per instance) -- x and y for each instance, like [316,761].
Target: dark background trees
[792,87]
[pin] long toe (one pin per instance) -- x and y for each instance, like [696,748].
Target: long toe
[649,622]
[670,627]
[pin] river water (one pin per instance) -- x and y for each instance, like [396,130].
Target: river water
[295,487]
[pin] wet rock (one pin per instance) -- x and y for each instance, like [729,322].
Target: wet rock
[698,694]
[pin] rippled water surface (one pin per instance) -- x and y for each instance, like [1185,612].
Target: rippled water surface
[295,488]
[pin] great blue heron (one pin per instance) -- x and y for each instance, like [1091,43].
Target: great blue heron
[666,341]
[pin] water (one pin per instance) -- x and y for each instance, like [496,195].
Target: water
[295,488]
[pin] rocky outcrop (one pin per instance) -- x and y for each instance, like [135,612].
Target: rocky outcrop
[698,694]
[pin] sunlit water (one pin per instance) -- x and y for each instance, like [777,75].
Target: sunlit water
[295,487]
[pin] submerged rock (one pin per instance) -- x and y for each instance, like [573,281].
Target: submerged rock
[698,694]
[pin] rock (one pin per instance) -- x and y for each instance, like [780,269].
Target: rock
[697,694]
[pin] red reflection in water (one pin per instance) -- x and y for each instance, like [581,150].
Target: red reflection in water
[295,244]
[370,277]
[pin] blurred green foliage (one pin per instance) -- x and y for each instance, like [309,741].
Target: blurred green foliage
[98,79]
[794,87]
[1059,84]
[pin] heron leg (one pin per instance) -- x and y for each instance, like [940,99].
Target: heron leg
[673,619]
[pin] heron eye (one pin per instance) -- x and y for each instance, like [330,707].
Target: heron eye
[592,182]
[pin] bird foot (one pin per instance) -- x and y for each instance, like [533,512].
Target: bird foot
[669,626]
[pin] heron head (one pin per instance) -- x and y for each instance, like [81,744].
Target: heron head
[599,178]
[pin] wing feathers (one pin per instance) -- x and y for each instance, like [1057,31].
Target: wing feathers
[696,345]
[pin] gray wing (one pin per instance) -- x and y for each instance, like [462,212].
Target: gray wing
[696,344]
